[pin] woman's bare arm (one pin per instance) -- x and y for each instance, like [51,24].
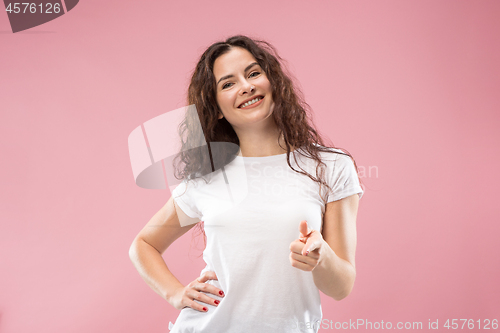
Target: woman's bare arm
[335,276]
[146,255]
[148,246]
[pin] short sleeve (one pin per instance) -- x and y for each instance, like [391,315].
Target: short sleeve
[184,196]
[343,178]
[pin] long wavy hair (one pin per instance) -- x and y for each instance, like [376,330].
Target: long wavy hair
[290,114]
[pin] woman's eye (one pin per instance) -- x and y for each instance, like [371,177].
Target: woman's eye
[224,86]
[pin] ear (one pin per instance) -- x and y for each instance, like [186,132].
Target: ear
[221,115]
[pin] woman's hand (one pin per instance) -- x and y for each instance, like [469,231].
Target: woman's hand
[305,251]
[188,295]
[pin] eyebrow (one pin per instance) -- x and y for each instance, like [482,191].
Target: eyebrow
[231,75]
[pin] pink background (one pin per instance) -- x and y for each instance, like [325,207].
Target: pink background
[410,88]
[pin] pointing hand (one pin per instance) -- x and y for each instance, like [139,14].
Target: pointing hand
[305,251]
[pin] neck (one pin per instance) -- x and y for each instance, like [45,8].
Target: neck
[260,148]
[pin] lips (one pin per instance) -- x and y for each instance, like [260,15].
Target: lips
[247,100]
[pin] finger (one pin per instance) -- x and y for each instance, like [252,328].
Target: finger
[208,275]
[304,230]
[191,298]
[297,246]
[312,254]
[300,265]
[311,246]
[196,306]
[306,260]
[208,288]
[202,296]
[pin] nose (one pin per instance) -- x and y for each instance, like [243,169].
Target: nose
[246,87]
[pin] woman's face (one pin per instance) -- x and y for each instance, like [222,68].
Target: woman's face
[235,73]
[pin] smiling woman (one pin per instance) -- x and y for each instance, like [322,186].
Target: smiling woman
[275,237]
[246,87]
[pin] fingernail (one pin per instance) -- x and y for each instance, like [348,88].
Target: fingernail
[221,293]
[307,252]
[205,309]
[216,302]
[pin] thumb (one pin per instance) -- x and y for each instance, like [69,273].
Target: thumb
[304,230]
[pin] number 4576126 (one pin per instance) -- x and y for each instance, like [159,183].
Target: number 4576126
[471,324]
[33,8]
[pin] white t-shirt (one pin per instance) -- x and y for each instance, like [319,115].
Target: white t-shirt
[251,210]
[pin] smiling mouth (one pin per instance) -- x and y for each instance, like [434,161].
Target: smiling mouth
[256,100]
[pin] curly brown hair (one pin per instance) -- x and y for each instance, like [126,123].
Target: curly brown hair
[290,114]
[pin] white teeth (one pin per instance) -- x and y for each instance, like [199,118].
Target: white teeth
[251,102]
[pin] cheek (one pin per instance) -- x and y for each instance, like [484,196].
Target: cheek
[219,97]
[225,101]
[265,83]
[220,102]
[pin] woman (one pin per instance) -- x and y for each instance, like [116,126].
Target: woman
[274,237]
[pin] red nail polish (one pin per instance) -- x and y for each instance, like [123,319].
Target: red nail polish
[205,309]
[221,293]
[216,302]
